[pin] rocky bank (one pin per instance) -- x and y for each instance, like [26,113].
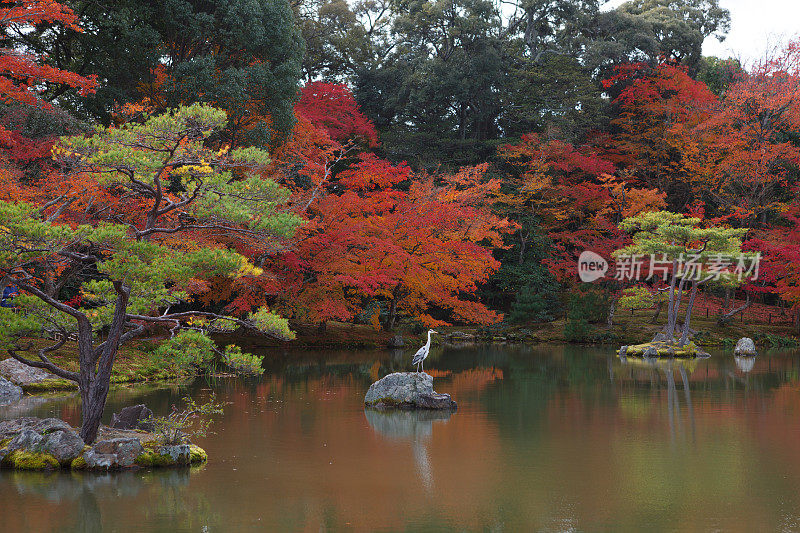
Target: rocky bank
[31,443]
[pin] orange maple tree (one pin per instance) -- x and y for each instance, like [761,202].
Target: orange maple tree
[658,109]
[377,237]
[746,150]
[574,195]
[421,249]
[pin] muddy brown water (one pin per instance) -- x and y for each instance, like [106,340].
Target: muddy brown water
[545,438]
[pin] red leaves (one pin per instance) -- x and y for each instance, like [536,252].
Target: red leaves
[413,249]
[574,197]
[372,173]
[21,74]
[332,108]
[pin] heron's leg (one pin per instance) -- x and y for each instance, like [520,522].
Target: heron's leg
[423,364]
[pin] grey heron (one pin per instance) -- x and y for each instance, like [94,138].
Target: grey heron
[422,353]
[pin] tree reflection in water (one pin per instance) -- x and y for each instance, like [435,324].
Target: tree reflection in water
[415,427]
[668,368]
[83,495]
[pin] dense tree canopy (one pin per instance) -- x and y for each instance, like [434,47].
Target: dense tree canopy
[240,55]
[183,167]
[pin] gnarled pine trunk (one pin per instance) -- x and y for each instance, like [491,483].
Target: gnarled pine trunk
[96,365]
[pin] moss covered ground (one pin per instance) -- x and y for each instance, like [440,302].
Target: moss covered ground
[135,362]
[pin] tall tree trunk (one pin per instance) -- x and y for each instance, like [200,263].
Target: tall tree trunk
[687,318]
[611,310]
[671,301]
[93,402]
[390,320]
[673,318]
[96,365]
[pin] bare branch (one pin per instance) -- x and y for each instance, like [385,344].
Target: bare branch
[45,363]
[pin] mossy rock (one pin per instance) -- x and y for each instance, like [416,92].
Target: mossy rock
[152,459]
[4,442]
[198,455]
[29,460]
[79,463]
[50,385]
[664,349]
[386,401]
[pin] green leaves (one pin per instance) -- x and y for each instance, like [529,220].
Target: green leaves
[242,362]
[674,237]
[167,164]
[163,163]
[268,322]
[24,237]
[187,349]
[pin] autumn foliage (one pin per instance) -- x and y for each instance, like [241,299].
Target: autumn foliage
[23,77]
[382,242]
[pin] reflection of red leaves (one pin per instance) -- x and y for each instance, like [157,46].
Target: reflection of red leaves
[473,380]
[438,373]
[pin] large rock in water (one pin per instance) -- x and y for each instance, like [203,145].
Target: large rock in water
[133,417]
[21,374]
[745,346]
[407,390]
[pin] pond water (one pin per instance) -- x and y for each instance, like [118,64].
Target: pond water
[545,438]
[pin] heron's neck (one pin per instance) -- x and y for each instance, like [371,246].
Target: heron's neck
[429,339]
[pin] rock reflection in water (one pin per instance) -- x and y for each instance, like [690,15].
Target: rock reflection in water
[32,405]
[745,363]
[415,427]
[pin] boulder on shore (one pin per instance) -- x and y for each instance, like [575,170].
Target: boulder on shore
[113,453]
[10,428]
[745,346]
[407,390]
[21,374]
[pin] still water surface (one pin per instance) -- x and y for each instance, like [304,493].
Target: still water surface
[545,438]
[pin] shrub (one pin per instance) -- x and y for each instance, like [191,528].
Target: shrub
[186,352]
[532,305]
[181,424]
[583,310]
[245,363]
